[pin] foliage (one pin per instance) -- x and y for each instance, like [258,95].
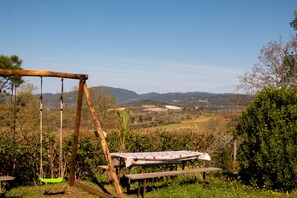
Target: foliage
[11,63]
[294,22]
[268,127]
[104,104]
[276,67]
[89,157]
[124,120]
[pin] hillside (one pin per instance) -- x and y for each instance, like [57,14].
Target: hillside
[125,97]
[204,99]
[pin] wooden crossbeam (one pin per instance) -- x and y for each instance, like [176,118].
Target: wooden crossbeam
[4,72]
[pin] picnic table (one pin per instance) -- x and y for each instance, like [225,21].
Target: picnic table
[143,158]
[129,160]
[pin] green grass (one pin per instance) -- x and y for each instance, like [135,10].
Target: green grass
[38,191]
[214,188]
[181,187]
[190,124]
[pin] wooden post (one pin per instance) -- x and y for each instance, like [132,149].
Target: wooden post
[76,131]
[112,171]
[234,155]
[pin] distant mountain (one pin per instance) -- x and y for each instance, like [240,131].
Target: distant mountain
[124,96]
[121,95]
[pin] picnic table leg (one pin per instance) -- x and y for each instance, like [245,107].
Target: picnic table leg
[138,189]
[144,188]
[183,165]
[128,186]
[120,168]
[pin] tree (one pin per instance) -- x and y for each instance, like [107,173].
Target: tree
[276,67]
[9,62]
[294,22]
[103,103]
[18,131]
[268,131]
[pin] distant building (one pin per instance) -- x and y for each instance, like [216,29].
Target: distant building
[171,107]
[118,109]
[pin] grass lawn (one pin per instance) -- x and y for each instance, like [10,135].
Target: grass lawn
[183,186]
[213,188]
[38,191]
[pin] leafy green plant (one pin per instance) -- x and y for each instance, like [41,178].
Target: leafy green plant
[268,128]
[124,120]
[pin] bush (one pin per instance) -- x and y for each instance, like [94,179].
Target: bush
[268,128]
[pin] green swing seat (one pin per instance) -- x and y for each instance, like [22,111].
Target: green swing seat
[51,180]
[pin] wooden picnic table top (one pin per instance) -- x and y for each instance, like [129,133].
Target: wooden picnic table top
[140,158]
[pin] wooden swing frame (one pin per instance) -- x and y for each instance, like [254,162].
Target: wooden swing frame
[82,89]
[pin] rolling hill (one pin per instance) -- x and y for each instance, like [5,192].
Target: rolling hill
[125,97]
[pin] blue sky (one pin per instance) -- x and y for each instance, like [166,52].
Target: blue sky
[145,46]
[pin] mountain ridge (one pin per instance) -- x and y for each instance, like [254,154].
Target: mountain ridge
[125,97]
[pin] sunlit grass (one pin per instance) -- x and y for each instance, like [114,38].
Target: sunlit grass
[183,186]
[214,188]
[38,191]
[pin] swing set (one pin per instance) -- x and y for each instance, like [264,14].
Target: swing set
[81,91]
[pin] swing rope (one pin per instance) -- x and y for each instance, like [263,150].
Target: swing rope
[61,172]
[60,178]
[40,119]
[13,101]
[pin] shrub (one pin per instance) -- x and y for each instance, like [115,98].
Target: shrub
[268,128]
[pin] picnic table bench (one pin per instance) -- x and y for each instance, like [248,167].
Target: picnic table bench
[5,178]
[142,177]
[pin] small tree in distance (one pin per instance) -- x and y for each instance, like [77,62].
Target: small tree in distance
[268,131]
